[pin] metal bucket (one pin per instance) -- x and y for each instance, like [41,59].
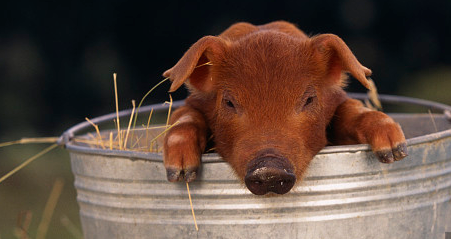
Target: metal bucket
[346,193]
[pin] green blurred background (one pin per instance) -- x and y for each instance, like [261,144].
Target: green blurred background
[57,60]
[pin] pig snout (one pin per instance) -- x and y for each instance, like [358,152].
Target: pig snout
[269,174]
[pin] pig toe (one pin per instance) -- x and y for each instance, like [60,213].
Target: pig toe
[394,154]
[400,151]
[177,175]
[190,174]
[174,175]
[385,156]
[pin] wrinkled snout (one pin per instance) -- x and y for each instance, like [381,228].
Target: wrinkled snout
[269,174]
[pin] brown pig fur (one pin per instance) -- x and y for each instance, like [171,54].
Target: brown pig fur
[254,88]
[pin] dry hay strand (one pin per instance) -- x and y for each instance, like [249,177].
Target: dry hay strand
[192,208]
[117,110]
[205,64]
[71,227]
[373,102]
[144,97]
[96,127]
[129,125]
[169,110]
[147,126]
[43,140]
[433,120]
[50,208]
[23,224]
[126,140]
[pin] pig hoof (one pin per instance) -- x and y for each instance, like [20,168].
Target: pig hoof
[400,151]
[190,174]
[385,156]
[176,175]
[391,155]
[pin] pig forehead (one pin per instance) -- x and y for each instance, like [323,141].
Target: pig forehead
[289,63]
[266,74]
[268,62]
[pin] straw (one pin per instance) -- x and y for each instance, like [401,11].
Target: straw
[50,208]
[43,140]
[433,120]
[117,111]
[129,125]
[23,224]
[192,208]
[373,96]
[98,132]
[111,140]
[142,100]
[169,110]
[205,64]
[147,126]
[70,226]
[164,132]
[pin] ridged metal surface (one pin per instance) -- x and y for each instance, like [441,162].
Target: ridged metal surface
[346,193]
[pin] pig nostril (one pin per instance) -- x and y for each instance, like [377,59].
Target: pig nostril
[256,186]
[257,182]
[285,182]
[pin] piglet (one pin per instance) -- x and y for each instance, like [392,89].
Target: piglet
[271,98]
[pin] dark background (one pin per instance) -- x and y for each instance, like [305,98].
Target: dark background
[57,59]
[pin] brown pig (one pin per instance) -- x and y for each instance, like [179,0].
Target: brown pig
[271,98]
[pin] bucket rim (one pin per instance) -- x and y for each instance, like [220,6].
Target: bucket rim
[66,138]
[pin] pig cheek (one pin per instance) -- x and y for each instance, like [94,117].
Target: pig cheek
[316,139]
[231,144]
[310,141]
[299,154]
[226,134]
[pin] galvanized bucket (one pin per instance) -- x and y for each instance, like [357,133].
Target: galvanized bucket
[347,193]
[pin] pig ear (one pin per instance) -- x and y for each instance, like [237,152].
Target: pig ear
[203,52]
[340,58]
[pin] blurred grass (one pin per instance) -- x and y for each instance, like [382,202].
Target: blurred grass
[432,84]
[29,190]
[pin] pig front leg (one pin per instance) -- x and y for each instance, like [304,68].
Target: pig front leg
[184,144]
[354,123]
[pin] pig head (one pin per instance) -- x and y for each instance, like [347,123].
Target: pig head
[267,96]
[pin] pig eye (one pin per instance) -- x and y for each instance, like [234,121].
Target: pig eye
[228,102]
[308,103]
[307,100]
